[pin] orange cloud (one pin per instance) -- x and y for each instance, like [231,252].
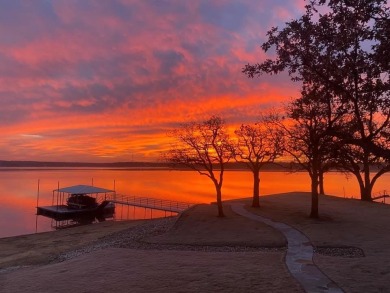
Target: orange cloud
[105,81]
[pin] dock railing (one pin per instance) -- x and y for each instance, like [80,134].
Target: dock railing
[149,202]
[381,195]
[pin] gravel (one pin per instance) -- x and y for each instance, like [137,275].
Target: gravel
[347,251]
[132,238]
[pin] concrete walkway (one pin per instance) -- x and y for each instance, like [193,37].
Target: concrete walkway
[299,257]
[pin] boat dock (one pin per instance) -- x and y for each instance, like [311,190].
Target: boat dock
[107,206]
[83,201]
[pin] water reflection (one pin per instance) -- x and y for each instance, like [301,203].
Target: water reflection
[18,190]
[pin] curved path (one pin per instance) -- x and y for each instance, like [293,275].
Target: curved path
[299,257]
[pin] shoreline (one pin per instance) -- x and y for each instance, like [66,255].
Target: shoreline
[126,220]
[349,247]
[19,193]
[374,202]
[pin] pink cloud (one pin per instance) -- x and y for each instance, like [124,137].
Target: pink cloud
[89,72]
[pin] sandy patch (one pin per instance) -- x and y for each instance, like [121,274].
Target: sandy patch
[42,247]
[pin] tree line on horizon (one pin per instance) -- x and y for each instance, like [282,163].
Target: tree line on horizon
[339,52]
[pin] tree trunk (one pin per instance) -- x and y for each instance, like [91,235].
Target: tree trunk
[321,183]
[360,182]
[256,189]
[219,201]
[314,194]
[365,192]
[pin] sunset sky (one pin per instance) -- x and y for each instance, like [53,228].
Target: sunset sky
[103,81]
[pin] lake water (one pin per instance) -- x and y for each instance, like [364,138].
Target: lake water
[18,190]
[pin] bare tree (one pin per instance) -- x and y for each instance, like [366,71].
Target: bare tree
[204,147]
[257,145]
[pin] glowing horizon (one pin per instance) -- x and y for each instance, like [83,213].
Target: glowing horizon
[104,81]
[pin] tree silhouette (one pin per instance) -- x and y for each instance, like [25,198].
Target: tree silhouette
[364,165]
[308,140]
[204,147]
[342,47]
[257,145]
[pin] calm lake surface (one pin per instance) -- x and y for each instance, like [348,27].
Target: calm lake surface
[18,190]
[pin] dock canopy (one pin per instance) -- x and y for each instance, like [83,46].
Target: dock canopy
[83,189]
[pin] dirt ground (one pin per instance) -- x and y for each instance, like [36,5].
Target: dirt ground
[344,223]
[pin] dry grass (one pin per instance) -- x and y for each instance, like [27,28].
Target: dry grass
[343,223]
[127,270]
[201,226]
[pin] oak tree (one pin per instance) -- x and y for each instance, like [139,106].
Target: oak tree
[307,130]
[343,47]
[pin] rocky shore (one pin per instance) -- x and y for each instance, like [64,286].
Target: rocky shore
[134,238]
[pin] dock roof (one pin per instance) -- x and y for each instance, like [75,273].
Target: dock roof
[83,189]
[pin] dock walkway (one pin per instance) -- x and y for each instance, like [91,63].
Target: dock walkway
[381,196]
[150,203]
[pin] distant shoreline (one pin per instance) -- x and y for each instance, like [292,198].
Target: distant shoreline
[31,165]
[287,167]
[129,169]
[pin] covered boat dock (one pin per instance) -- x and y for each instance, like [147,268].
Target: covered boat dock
[64,209]
[105,203]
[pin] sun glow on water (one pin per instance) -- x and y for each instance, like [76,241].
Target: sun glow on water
[18,190]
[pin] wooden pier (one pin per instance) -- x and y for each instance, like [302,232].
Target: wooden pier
[150,203]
